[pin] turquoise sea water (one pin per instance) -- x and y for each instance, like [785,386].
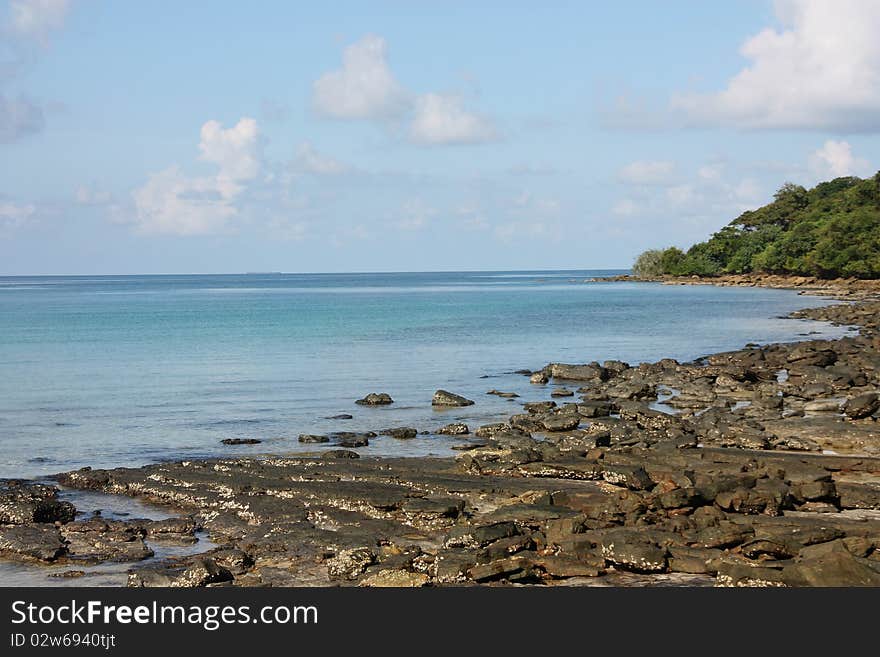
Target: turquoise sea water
[109,371]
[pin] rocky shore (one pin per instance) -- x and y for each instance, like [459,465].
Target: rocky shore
[757,467]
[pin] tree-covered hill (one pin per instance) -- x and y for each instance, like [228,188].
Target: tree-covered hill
[830,231]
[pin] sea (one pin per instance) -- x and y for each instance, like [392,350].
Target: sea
[108,371]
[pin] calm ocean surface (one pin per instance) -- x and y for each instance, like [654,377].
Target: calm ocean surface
[109,371]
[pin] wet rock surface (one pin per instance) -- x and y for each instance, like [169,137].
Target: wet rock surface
[756,467]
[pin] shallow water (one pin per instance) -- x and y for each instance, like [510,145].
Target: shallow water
[110,371]
[111,507]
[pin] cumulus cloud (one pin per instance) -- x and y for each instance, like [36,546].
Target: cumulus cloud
[647,172]
[442,119]
[36,19]
[19,117]
[309,160]
[819,70]
[235,150]
[174,203]
[14,214]
[29,23]
[690,206]
[364,88]
[835,159]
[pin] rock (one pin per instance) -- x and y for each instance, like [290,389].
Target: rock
[588,372]
[201,573]
[563,567]
[241,441]
[561,422]
[349,564]
[834,566]
[562,392]
[822,406]
[376,399]
[454,429]
[627,550]
[473,537]
[862,405]
[313,438]
[26,502]
[539,407]
[593,409]
[40,541]
[732,574]
[340,454]
[401,433]
[395,579]
[341,416]
[505,395]
[349,439]
[445,398]
[500,569]
[539,378]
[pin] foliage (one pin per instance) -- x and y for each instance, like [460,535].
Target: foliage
[832,230]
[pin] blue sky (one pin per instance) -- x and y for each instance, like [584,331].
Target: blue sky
[169,137]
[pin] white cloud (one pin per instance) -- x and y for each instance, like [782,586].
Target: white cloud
[819,70]
[309,160]
[364,88]
[36,19]
[442,119]
[647,172]
[172,203]
[836,159]
[234,150]
[18,117]
[13,215]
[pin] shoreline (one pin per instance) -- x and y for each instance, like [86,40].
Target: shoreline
[732,489]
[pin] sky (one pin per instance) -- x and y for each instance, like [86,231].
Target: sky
[225,137]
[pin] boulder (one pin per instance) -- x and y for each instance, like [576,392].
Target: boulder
[446,398]
[454,429]
[862,405]
[376,399]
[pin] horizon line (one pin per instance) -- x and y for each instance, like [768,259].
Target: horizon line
[316,273]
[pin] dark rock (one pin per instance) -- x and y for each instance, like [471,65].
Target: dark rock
[473,537]
[401,433]
[445,398]
[561,422]
[454,429]
[862,405]
[340,454]
[26,502]
[375,399]
[505,395]
[241,441]
[834,566]
[349,564]
[341,416]
[313,438]
[40,541]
